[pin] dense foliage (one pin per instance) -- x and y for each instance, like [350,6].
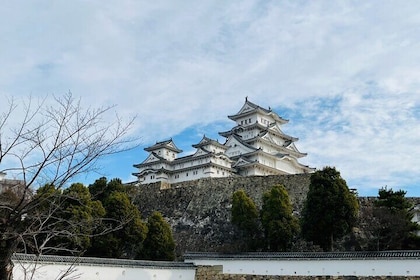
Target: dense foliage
[70,217]
[245,217]
[392,227]
[110,227]
[159,243]
[280,226]
[330,210]
[126,240]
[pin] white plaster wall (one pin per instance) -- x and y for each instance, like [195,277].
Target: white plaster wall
[264,120]
[409,267]
[85,272]
[287,166]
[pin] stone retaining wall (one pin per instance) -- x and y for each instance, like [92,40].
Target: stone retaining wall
[199,211]
[215,273]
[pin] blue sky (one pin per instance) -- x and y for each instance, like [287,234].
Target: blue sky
[345,73]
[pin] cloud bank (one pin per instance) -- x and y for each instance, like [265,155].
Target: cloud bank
[346,74]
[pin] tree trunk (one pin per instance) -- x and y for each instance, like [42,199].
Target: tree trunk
[6,270]
[7,248]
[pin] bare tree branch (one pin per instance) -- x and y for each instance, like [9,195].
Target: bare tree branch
[51,142]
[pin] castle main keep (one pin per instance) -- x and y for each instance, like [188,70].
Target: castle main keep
[256,145]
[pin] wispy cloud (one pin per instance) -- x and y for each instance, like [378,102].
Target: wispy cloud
[346,72]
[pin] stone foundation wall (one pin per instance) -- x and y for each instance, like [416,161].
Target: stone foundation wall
[199,211]
[215,273]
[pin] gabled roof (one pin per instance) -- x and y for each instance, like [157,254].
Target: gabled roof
[289,148]
[250,108]
[168,144]
[292,147]
[241,161]
[273,128]
[296,163]
[151,159]
[235,129]
[208,141]
[236,138]
[288,157]
[200,152]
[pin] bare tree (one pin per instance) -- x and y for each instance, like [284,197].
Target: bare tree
[45,143]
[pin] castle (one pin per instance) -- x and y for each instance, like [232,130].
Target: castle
[256,145]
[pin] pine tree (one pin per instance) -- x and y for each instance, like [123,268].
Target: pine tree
[280,226]
[330,210]
[159,243]
[392,227]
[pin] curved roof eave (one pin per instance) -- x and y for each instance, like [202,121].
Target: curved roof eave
[241,141]
[164,144]
[256,108]
[295,153]
[160,160]
[208,141]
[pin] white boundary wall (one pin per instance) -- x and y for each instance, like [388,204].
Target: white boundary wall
[385,263]
[47,270]
[317,267]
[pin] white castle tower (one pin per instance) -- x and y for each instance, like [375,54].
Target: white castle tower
[256,145]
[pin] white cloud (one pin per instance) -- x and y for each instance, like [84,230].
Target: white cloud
[347,70]
[370,135]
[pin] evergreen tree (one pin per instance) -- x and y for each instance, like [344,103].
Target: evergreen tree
[86,213]
[73,216]
[280,226]
[126,241]
[101,188]
[159,243]
[330,210]
[392,227]
[245,217]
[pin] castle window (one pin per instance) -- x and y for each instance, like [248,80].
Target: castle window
[186,174]
[249,120]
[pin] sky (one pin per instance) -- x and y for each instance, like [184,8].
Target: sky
[346,74]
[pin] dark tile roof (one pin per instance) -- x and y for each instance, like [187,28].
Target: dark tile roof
[308,255]
[164,144]
[102,261]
